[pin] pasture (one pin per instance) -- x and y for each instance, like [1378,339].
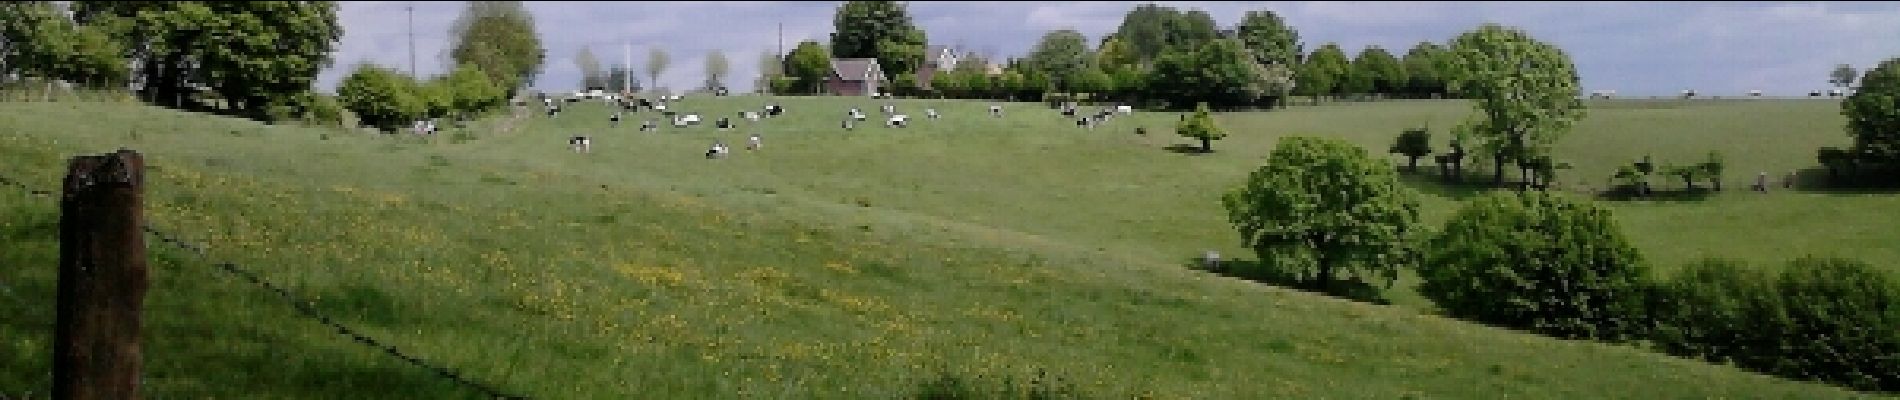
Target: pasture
[848,264]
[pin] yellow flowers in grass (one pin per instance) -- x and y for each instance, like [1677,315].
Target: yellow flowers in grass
[841,266]
[652,276]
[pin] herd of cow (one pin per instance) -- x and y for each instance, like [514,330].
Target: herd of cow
[666,106]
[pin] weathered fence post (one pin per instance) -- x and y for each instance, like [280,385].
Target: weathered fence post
[102,278]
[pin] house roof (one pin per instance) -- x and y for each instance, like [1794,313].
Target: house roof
[934,51]
[853,69]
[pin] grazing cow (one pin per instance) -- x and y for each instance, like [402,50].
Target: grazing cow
[718,150]
[1068,112]
[996,111]
[1125,109]
[1688,93]
[1084,122]
[750,116]
[661,107]
[724,123]
[897,121]
[889,109]
[615,119]
[930,113]
[1816,93]
[847,124]
[752,142]
[1754,93]
[856,115]
[774,110]
[581,144]
[679,122]
[649,126]
[552,111]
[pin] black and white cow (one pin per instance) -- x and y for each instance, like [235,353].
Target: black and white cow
[996,111]
[897,121]
[581,144]
[931,113]
[724,123]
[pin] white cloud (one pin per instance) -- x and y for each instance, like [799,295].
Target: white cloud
[1635,47]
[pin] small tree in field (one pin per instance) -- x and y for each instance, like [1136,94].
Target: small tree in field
[1201,126]
[1414,143]
[1873,117]
[1540,261]
[1321,208]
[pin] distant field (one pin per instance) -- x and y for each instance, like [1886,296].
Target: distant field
[845,264]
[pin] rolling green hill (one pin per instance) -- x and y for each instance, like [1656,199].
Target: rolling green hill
[837,264]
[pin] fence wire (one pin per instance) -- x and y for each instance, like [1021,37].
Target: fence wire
[302,306]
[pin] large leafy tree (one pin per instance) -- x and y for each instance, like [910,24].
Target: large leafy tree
[255,55]
[1380,69]
[1323,70]
[1152,30]
[1524,91]
[1061,56]
[1873,116]
[809,63]
[1269,38]
[1321,208]
[36,40]
[881,30]
[1842,76]
[1425,67]
[499,38]
[1222,73]
[471,91]
[1539,261]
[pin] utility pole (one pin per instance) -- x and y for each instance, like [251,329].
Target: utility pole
[412,38]
[626,63]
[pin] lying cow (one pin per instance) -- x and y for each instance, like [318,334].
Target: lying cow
[581,144]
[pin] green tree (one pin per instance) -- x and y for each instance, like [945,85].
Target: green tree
[770,68]
[1201,127]
[591,74]
[1152,30]
[716,69]
[1323,71]
[255,55]
[1539,261]
[1873,116]
[1221,73]
[810,63]
[1525,92]
[499,38]
[1115,55]
[881,30]
[622,79]
[1269,38]
[1842,76]
[381,97]
[472,92]
[1093,81]
[1062,55]
[1382,71]
[36,40]
[1425,68]
[657,62]
[1413,143]
[1321,209]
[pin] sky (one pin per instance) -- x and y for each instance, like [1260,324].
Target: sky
[1634,48]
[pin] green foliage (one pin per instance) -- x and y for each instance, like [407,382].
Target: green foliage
[591,74]
[1221,73]
[1525,91]
[1382,72]
[1425,70]
[1413,143]
[1873,116]
[1042,386]
[1116,55]
[1062,55]
[1323,71]
[1827,319]
[1537,261]
[1322,208]
[1842,75]
[472,93]
[36,41]
[881,30]
[499,38]
[1151,31]
[325,110]
[1201,127]
[1269,38]
[1091,80]
[254,55]
[809,63]
[382,97]
[905,85]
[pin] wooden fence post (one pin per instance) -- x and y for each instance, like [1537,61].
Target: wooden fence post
[102,278]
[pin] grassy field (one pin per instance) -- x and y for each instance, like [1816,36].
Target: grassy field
[838,264]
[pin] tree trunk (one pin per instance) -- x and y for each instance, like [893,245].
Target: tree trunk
[1207,146]
[1497,169]
[1414,165]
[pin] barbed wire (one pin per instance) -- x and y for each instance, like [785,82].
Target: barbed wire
[302,306]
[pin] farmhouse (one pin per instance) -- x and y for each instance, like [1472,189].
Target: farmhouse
[936,58]
[854,77]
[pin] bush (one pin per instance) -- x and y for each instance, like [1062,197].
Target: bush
[383,98]
[1537,261]
[1872,116]
[1824,319]
[324,110]
[948,386]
